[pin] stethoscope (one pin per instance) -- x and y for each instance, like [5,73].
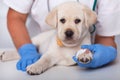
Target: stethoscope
[48,5]
[92,29]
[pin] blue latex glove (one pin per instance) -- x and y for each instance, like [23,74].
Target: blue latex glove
[101,55]
[28,54]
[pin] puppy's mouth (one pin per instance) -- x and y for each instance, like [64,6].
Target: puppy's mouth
[71,42]
[69,38]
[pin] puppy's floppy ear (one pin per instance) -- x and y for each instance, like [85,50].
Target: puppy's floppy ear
[51,18]
[90,16]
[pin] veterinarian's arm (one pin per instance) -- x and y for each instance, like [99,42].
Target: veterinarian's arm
[104,51]
[107,41]
[17,28]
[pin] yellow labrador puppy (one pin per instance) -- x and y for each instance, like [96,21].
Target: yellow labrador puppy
[71,22]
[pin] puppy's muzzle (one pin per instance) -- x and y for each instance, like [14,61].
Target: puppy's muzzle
[69,34]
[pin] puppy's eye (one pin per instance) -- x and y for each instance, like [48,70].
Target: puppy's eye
[62,20]
[77,21]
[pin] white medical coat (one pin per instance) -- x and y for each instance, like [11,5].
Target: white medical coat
[108,13]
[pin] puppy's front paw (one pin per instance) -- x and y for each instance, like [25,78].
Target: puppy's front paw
[34,69]
[84,56]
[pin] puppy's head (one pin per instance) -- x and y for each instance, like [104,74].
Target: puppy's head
[72,20]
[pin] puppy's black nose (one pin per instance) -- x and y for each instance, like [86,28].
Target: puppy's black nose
[69,33]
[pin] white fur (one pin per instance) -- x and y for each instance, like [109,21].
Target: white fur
[46,41]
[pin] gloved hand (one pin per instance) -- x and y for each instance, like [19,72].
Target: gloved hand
[28,54]
[101,55]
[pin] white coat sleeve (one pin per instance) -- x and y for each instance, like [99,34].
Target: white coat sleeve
[108,23]
[22,6]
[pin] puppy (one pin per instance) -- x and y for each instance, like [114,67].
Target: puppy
[71,22]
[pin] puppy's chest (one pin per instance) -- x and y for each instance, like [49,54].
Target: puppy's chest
[65,51]
[66,55]
[63,54]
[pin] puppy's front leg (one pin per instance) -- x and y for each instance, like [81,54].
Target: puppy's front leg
[45,62]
